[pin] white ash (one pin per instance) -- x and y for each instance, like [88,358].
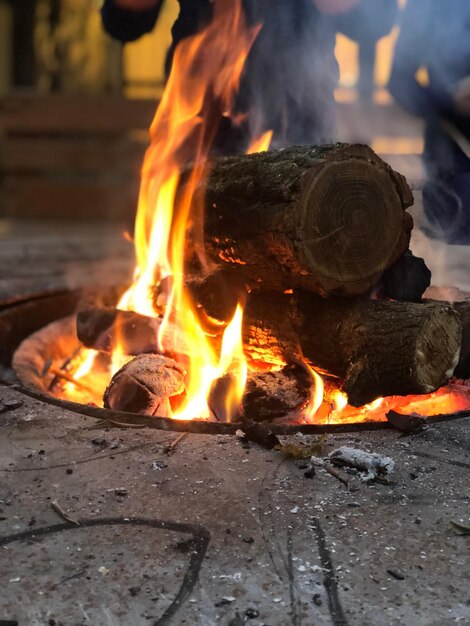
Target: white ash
[371,463]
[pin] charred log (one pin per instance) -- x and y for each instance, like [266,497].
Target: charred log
[218,292]
[377,348]
[275,394]
[328,219]
[104,329]
[150,384]
[405,280]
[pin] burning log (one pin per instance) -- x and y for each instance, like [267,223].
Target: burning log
[268,395]
[148,385]
[104,329]
[218,292]
[405,280]
[377,348]
[328,219]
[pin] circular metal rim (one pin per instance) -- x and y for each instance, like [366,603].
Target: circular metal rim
[195,426]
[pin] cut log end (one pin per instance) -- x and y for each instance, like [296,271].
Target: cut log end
[353,225]
[420,357]
[430,354]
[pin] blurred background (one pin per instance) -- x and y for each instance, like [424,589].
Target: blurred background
[75,107]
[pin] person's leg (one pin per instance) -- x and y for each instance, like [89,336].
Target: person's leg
[446,193]
[365,85]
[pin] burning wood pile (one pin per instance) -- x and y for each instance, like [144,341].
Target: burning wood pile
[267,285]
[301,238]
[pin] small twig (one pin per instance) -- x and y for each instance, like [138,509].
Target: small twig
[337,474]
[103,424]
[171,447]
[68,518]
[69,378]
[71,577]
[65,367]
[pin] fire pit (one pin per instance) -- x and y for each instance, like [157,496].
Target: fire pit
[46,360]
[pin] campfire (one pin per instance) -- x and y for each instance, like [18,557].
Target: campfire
[269,286]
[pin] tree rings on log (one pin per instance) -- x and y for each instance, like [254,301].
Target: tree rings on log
[328,219]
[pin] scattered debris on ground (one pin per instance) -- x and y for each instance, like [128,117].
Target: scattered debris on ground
[371,464]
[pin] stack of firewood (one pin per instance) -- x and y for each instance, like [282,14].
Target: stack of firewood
[315,241]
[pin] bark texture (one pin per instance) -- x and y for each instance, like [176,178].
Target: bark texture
[328,219]
[377,348]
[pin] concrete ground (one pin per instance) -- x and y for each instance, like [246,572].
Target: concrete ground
[215,533]
[218,533]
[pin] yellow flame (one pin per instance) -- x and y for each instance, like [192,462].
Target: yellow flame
[316,395]
[87,364]
[261,144]
[232,359]
[339,401]
[203,82]
[375,404]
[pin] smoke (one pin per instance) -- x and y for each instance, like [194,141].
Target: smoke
[289,84]
[435,36]
[291,73]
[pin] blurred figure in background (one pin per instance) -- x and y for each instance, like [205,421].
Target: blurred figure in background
[291,72]
[367,23]
[435,35]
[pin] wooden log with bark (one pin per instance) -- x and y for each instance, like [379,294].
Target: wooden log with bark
[328,219]
[376,348]
[106,329]
[463,368]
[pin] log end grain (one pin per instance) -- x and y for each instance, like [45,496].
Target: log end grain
[413,353]
[353,223]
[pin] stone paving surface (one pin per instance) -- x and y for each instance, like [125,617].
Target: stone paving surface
[218,533]
[214,533]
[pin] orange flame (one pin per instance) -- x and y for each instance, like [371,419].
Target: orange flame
[201,88]
[262,144]
[316,395]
